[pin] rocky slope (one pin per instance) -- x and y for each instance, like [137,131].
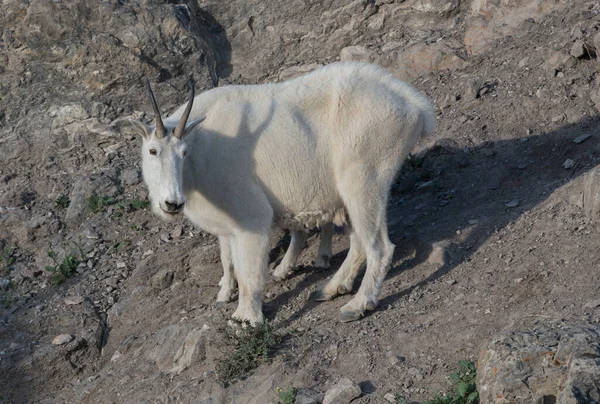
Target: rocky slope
[493,224]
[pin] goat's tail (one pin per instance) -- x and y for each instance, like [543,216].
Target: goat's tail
[427,115]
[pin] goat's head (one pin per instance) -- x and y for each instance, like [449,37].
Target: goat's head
[163,154]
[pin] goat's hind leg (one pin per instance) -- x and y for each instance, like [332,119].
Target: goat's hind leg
[228,284]
[288,263]
[325,252]
[366,207]
[343,279]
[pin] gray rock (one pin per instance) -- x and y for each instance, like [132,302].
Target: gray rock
[581,138]
[438,255]
[308,396]
[130,176]
[394,359]
[578,49]
[591,194]
[568,164]
[436,6]
[79,199]
[162,279]
[62,339]
[72,301]
[472,90]
[177,232]
[356,53]
[4,283]
[298,70]
[596,41]
[559,60]
[512,204]
[66,114]
[390,398]
[561,365]
[178,346]
[595,97]
[344,391]
[592,305]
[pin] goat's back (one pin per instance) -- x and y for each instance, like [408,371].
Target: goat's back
[296,138]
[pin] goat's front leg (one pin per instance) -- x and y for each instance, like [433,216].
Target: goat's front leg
[228,283]
[288,263]
[250,256]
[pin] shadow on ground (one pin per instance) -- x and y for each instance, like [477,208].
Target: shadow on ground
[457,197]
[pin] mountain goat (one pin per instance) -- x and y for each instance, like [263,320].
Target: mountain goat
[324,147]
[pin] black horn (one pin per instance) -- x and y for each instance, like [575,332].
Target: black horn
[160,127]
[186,114]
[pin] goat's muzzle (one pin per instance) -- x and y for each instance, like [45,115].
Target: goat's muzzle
[173,208]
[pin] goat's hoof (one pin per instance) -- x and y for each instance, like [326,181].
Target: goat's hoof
[282,273]
[279,277]
[372,305]
[348,315]
[322,262]
[321,296]
[343,290]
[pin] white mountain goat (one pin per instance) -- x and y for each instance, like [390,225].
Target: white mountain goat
[320,148]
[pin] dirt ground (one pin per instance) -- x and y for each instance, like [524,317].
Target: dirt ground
[489,230]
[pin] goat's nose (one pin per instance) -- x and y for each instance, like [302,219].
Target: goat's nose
[174,206]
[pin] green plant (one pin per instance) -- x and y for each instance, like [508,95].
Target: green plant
[463,384]
[400,398]
[62,270]
[130,205]
[62,202]
[99,203]
[119,245]
[7,298]
[252,346]
[7,258]
[287,396]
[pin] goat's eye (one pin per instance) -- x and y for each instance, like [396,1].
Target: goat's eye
[184,153]
[153,152]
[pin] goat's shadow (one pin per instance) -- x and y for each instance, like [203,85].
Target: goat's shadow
[447,188]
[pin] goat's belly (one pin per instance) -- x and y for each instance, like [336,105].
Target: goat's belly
[310,219]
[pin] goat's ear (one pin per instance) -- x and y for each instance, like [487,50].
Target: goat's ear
[192,125]
[140,128]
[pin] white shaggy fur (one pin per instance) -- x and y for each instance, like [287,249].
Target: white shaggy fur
[320,148]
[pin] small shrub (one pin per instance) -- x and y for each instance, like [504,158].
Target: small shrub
[130,205]
[463,383]
[287,396]
[253,345]
[62,270]
[138,204]
[7,258]
[400,398]
[99,203]
[62,202]
[7,297]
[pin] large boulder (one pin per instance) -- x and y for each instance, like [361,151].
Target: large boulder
[541,366]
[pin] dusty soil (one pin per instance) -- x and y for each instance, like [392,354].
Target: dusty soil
[488,224]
